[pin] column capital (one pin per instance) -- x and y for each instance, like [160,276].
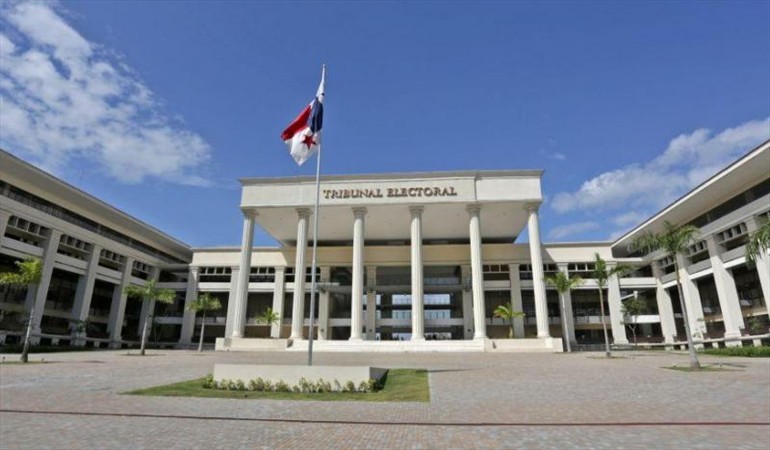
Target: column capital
[304,213]
[359,211]
[473,208]
[532,207]
[416,210]
[194,269]
[280,269]
[249,213]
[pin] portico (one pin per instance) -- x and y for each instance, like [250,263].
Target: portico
[374,231]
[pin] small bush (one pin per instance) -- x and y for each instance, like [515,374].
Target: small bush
[750,352]
[240,386]
[208,382]
[323,386]
[281,386]
[349,387]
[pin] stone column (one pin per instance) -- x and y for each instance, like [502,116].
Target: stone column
[232,300]
[4,217]
[244,274]
[691,299]
[357,288]
[418,316]
[727,293]
[468,317]
[323,306]
[665,310]
[188,316]
[41,292]
[477,273]
[538,277]
[83,294]
[615,307]
[762,264]
[298,302]
[118,305]
[569,316]
[278,296]
[371,303]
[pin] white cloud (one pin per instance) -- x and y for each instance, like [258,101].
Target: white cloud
[688,160]
[64,99]
[571,229]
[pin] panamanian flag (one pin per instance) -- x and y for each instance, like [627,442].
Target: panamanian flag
[303,135]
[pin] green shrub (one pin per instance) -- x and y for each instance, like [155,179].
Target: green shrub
[240,386]
[208,382]
[751,352]
[349,387]
[323,386]
[281,386]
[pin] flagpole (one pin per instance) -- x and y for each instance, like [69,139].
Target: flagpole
[313,284]
[313,287]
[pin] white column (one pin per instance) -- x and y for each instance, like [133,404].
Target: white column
[41,292]
[762,264]
[691,299]
[357,288]
[4,216]
[615,307]
[84,292]
[232,301]
[418,316]
[569,318]
[323,307]
[188,316]
[146,306]
[727,293]
[118,306]
[538,277]
[477,274]
[278,296]
[298,303]
[242,291]
[665,309]
[467,303]
[371,303]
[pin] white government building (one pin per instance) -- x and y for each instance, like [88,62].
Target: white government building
[406,262]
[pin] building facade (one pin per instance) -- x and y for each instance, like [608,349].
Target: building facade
[401,258]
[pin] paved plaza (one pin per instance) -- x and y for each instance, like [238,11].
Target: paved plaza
[481,400]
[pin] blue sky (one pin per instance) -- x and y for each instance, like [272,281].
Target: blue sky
[159,107]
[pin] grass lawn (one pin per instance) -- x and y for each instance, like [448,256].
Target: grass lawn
[401,385]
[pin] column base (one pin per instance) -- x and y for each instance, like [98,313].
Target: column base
[543,336]
[479,337]
[417,338]
[355,338]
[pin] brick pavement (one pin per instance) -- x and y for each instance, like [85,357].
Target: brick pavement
[556,391]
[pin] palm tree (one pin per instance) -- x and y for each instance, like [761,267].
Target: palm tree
[758,244]
[602,274]
[506,312]
[269,317]
[204,302]
[673,240]
[148,293]
[28,275]
[564,284]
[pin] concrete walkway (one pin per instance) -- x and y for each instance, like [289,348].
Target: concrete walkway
[478,401]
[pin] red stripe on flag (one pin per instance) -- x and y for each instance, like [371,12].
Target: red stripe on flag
[298,124]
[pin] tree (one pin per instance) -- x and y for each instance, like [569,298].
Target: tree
[632,309]
[564,284]
[758,244]
[29,274]
[673,240]
[506,312]
[269,317]
[205,302]
[602,274]
[149,293]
